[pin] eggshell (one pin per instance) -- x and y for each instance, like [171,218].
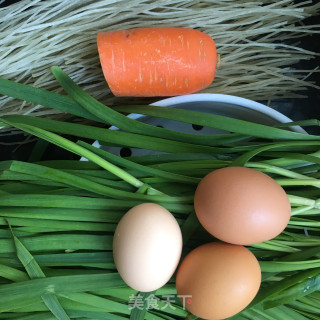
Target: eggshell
[241,205]
[147,247]
[220,279]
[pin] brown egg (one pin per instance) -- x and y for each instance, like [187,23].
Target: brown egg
[219,279]
[241,205]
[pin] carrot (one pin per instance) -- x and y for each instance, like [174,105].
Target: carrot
[157,61]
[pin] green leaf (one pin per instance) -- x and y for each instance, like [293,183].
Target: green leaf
[267,168]
[82,314]
[112,206]
[34,271]
[301,255]
[307,314]
[283,266]
[12,274]
[244,158]
[305,307]
[140,305]
[216,121]
[31,316]
[158,315]
[277,288]
[132,165]
[292,158]
[54,242]
[43,225]
[44,98]
[24,293]
[54,306]
[77,149]
[294,292]
[75,259]
[78,182]
[107,305]
[110,116]
[284,313]
[189,226]
[112,137]
[63,214]
[310,122]
[310,300]
[38,150]
[152,159]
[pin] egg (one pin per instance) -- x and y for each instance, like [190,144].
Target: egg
[218,280]
[147,247]
[241,205]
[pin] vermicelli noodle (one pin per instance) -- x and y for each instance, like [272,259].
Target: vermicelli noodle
[258,42]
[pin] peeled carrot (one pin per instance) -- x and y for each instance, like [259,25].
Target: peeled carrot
[157,61]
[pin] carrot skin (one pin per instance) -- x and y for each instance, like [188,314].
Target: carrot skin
[157,61]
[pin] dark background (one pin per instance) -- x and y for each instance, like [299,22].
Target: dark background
[295,109]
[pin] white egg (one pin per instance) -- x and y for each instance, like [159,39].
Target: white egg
[147,247]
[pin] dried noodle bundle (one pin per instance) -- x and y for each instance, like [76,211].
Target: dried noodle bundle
[257,41]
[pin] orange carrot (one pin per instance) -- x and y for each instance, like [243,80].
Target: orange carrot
[157,61]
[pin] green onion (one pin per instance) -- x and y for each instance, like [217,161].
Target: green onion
[24,293]
[34,271]
[112,137]
[215,121]
[297,291]
[54,242]
[129,164]
[43,97]
[65,211]
[12,273]
[114,118]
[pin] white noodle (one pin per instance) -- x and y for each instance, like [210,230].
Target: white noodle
[254,39]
